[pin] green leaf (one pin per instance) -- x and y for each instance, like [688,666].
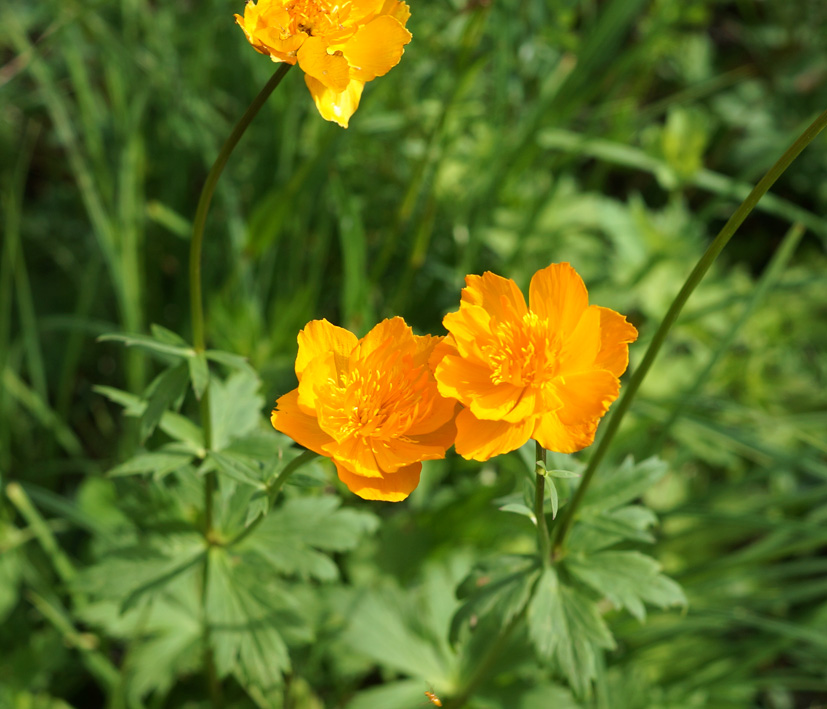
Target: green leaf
[231,360]
[167,388]
[199,373]
[626,579]
[607,529]
[289,538]
[402,694]
[235,407]
[238,467]
[386,628]
[615,488]
[518,508]
[502,588]
[159,464]
[567,629]
[162,334]
[174,425]
[244,632]
[552,491]
[562,474]
[135,574]
[150,344]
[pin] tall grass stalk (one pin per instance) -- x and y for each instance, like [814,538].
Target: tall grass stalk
[700,270]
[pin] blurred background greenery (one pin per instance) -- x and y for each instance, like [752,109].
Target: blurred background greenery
[618,135]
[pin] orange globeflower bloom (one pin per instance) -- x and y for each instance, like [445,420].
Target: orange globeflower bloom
[338,45]
[371,405]
[548,371]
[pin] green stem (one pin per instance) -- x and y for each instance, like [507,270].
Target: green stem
[40,528]
[768,278]
[543,540]
[483,669]
[689,286]
[199,341]
[273,491]
[196,245]
[196,301]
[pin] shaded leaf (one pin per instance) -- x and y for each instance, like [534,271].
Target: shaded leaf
[199,373]
[503,590]
[159,464]
[566,629]
[149,344]
[244,633]
[166,389]
[627,579]
[235,407]
[238,467]
[615,488]
[289,538]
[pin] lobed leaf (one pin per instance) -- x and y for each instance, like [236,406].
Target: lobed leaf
[150,344]
[199,373]
[628,482]
[566,629]
[627,579]
[159,464]
[167,388]
[289,538]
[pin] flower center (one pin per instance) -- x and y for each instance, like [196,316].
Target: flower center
[369,403]
[316,17]
[524,353]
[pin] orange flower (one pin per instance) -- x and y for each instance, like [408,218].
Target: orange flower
[371,405]
[338,45]
[547,372]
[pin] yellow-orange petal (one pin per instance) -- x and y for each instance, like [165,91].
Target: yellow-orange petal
[316,378]
[363,10]
[500,297]
[551,433]
[281,48]
[471,385]
[443,412]
[481,440]
[357,455]
[393,487]
[288,418]
[446,346]
[396,9]
[580,348]
[376,47]
[557,294]
[616,333]
[442,437]
[586,396]
[333,106]
[320,337]
[330,69]
[393,454]
[394,330]
[470,327]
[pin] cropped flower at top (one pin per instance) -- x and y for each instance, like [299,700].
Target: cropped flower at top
[338,45]
[548,371]
[371,405]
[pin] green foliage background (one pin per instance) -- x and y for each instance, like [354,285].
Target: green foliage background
[616,135]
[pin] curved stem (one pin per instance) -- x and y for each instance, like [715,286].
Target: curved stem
[196,298]
[199,343]
[689,286]
[543,540]
[196,301]
[484,667]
